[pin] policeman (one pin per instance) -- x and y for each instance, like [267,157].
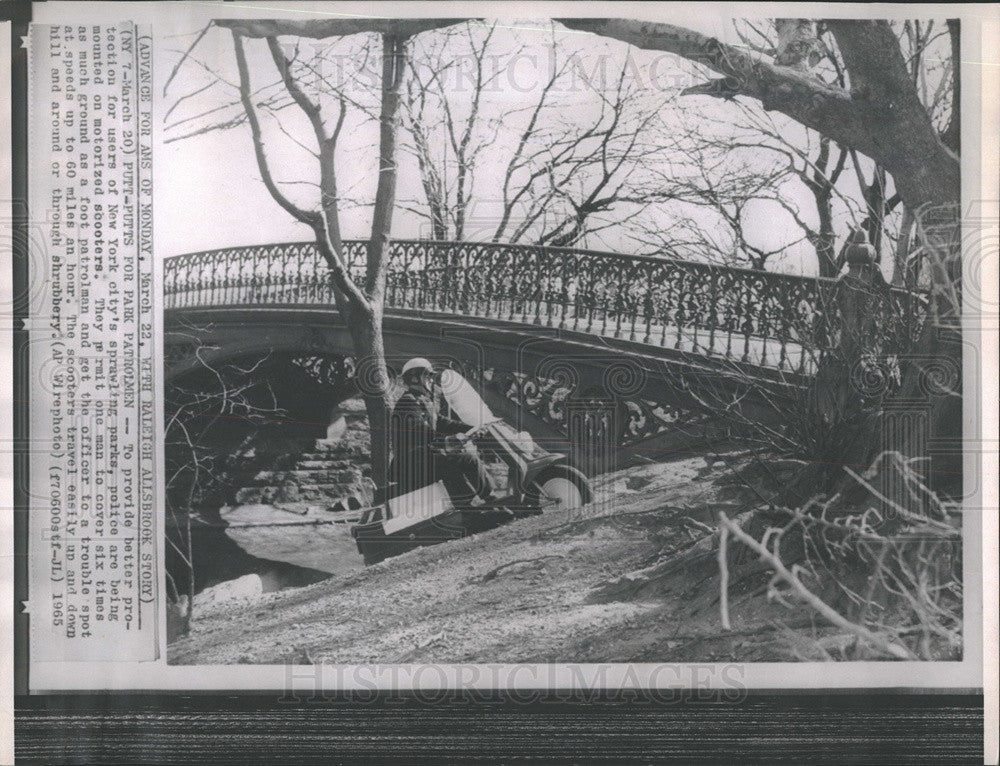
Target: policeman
[418,431]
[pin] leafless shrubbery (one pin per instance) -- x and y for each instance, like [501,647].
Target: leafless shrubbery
[874,552]
[886,571]
[216,409]
[818,394]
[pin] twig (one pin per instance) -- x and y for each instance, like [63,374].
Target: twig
[894,650]
[689,522]
[178,65]
[723,572]
[913,518]
[873,583]
[492,574]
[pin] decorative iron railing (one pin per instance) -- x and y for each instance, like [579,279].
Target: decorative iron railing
[772,320]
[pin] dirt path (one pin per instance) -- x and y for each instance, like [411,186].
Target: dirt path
[521,593]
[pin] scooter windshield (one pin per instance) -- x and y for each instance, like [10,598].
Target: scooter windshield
[465,403]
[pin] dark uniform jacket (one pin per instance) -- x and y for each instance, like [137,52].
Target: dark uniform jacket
[415,424]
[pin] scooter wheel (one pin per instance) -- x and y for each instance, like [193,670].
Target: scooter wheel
[560,488]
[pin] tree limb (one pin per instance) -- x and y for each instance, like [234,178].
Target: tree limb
[307,217]
[393,67]
[319,29]
[327,228]
[892,649]
[319,222]
[896,132]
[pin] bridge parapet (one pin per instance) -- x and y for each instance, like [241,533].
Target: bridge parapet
[771,320]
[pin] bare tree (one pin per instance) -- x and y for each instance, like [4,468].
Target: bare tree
[815,50]
[937,81]
[448,138]
[755,139]
[560,177]
[880,115]
[810,162]
[566,176]
[706,180]
[360,303]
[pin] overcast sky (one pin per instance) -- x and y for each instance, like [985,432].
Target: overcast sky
[214,181]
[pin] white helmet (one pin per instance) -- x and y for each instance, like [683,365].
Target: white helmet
[417,363]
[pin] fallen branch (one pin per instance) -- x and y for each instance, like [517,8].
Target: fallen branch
[700,526]
[492,574]
[913,518]
[894,650]
[723,572]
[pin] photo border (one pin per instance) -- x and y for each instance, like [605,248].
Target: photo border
[126,727]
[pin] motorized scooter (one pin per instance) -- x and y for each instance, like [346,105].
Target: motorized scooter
[529,481]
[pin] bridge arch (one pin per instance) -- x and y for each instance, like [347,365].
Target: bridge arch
[638,334]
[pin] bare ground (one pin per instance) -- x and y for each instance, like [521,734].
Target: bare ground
[559,587]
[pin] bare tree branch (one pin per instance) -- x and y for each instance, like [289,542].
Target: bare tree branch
[880,116]
[319,29]
[297,213]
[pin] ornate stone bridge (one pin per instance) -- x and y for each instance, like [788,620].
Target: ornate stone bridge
[658,345]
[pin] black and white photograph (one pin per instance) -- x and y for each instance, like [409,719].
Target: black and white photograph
[570,340]
[546,349]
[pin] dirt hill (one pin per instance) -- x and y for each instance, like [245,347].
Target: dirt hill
[593,585]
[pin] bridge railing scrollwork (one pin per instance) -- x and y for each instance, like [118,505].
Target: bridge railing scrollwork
[772,320]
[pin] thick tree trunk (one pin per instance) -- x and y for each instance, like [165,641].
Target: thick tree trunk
[372,379]
[880,116]
[953,133]
[903,139]
[372,372]
[360,306]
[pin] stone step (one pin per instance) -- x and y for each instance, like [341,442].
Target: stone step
[309,476]
[339,455]
[294,493]
[312,464]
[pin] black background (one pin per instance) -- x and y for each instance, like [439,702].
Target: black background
[849,728]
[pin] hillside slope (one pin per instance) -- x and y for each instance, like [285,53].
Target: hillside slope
[557,587]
